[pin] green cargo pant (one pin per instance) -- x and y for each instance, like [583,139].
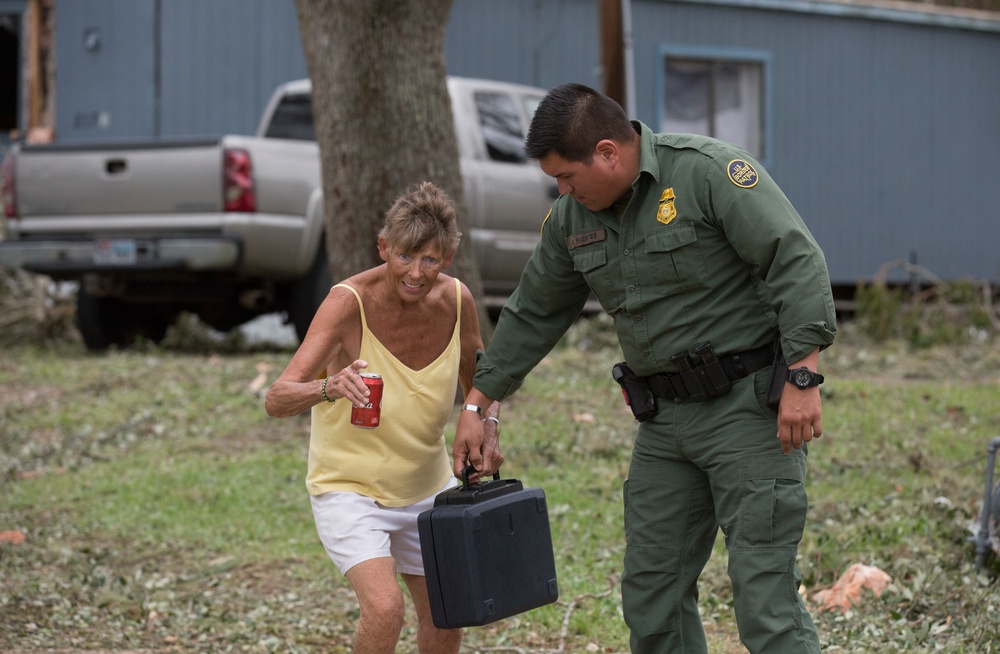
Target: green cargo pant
[697,467]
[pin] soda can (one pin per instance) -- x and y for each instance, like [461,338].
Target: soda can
[368,416]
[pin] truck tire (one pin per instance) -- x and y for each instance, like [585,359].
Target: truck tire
[107,321]
[308,293]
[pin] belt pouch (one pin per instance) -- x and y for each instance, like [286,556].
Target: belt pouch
[638,395]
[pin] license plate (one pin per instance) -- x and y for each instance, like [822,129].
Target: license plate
[115,253]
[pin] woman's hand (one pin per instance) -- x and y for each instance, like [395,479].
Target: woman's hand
[348,384]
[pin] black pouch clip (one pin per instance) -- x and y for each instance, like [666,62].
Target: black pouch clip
[714,374]
[779,375]
[690,378]
[636,391]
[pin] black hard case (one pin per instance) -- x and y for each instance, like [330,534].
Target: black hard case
[487,553]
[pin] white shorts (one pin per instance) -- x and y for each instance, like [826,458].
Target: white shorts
[354,528]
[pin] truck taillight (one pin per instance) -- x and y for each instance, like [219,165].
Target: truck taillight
[8,198]
[237,186]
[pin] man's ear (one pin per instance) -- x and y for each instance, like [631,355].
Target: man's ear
[606,150]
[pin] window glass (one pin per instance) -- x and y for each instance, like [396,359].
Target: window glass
[293,119]
[502,127]
[719,98]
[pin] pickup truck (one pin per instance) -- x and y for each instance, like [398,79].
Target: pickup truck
[230,228]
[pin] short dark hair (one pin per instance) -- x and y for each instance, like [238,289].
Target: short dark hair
[571,119]
[423,215]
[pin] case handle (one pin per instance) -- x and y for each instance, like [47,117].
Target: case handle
[469,469]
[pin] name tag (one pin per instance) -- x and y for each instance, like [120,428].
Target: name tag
[586,238]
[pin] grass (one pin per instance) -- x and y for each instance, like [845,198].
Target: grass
[163,511]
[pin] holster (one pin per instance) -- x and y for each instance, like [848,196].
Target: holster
[779,375]
[636,391]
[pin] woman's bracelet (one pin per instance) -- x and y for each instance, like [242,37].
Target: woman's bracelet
[494,419]
[325,396]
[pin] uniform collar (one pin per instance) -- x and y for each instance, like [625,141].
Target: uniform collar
[648,163]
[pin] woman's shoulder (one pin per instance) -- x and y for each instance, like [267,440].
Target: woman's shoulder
[361,282]
[446,285]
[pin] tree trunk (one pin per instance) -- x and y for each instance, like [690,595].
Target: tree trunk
[383,120]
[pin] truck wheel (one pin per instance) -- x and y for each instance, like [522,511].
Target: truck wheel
[106,321]
[308,293]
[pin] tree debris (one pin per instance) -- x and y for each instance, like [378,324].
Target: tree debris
[847,590]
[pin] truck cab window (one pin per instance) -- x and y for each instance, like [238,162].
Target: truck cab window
[293,119]
[502,128]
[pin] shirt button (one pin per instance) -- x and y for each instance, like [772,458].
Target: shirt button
[638,318]
[627,252]
[645,353]
[631,288]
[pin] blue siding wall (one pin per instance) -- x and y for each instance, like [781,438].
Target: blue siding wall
[104,68]
[213,85]
[881,125]
[882,132]
[525,41]
[166,68]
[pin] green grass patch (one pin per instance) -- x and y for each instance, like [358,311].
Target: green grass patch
[163,510]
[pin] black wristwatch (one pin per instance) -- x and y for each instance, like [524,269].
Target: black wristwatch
[804,377]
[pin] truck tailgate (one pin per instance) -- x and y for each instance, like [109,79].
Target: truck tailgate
[125,178]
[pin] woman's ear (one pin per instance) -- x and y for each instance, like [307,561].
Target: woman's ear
[383,248]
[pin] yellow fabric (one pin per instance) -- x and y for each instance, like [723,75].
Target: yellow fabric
[404,459]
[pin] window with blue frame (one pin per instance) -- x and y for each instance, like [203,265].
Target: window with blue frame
[716,96]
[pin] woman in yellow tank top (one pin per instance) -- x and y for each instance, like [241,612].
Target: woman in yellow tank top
[417,328]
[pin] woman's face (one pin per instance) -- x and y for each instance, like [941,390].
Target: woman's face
[412,274]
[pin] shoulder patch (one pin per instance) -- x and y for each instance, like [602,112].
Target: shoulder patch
[742,173]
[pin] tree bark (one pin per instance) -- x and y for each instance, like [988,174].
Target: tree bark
[383,120]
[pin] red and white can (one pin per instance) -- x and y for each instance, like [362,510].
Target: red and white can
[368,415]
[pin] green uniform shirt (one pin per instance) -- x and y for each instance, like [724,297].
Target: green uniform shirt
[707,249]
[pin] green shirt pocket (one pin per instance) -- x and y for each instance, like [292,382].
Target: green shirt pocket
[674,260]
[592,262]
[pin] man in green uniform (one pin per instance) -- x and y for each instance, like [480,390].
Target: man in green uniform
[701,260]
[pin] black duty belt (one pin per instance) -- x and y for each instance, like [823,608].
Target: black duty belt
[711,376]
